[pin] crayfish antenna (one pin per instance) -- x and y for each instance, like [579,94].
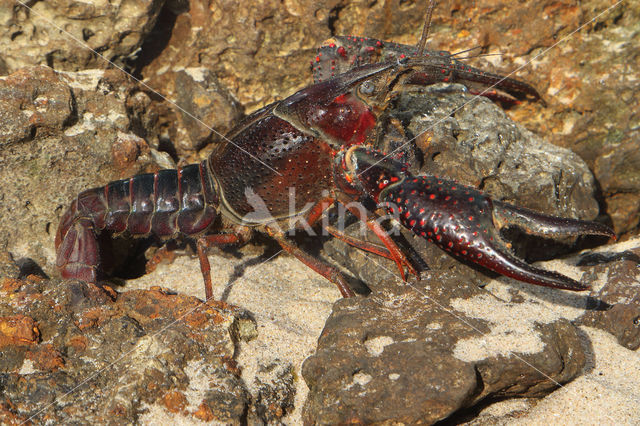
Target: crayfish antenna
[425,29]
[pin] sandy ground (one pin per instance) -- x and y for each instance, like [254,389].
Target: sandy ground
[291,303]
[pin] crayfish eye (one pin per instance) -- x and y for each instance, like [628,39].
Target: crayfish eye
[366,88]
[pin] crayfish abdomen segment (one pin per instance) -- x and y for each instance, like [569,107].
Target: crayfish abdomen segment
[164,204]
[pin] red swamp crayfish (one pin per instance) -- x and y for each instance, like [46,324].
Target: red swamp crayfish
[318,147]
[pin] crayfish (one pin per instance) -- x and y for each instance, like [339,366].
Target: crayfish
[318,148]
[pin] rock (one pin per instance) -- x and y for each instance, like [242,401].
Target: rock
[120,354]
[454,320]
[420,352]
[201,110]
[619,177]
[275,392]
[470,139]
[260,53]
[617,306]
[53,33]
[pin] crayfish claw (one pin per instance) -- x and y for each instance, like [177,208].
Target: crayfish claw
[466,223]
[545,225]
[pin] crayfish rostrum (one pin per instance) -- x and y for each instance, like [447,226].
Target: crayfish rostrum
[318,148]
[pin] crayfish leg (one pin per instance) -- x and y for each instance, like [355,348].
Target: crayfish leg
[361,244]
[397,255]
[217,240]
[327,271]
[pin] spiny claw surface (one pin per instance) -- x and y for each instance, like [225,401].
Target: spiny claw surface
[465,222]
[342,53]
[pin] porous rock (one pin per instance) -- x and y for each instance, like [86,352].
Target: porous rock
[53,33]
[615,272]
[418,353]
[89,354]
[472,140]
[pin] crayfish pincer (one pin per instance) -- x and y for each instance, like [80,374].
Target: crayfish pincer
[285,165]
[460,219]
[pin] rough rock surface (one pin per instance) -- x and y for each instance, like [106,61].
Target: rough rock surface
[53,33]
[619,298]
[419,353]
[115,355]
[470,139]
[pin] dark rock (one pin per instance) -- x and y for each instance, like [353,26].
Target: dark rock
[275,392]
[111,356]
[472,140]
[420,352]
[615,275]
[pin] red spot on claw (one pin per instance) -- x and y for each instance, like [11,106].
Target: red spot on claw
[432,196]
